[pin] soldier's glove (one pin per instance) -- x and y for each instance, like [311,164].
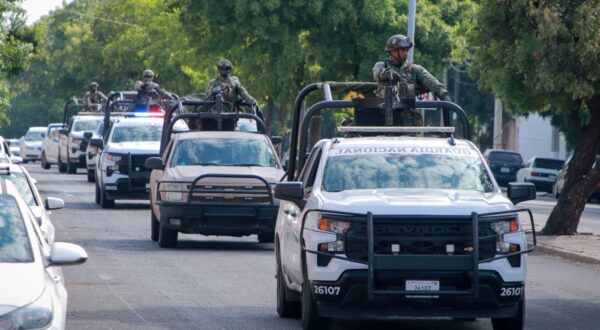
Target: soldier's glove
[445,97]
[390,74]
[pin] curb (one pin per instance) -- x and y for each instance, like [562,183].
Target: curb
[552,250]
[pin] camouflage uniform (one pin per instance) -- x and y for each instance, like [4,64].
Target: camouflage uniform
[412,74]
[93,97]
[230,89]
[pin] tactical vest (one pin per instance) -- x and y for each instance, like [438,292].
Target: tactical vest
[406,85]
[228,90]
[95,98]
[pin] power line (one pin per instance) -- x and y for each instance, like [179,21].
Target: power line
[100,18]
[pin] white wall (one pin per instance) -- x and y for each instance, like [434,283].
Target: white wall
[534,136]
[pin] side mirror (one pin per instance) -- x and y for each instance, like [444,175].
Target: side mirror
[276,139]
[63,131]
[520,192]
[88,135]
[154,163]
[291,191]
[97,142]
[64,254]
[16,159]
[53,203]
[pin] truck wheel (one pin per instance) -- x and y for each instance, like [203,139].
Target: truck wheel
[266,237]
[154,226]
[62,168]
[285,308]
[105,203]
[97,194]
[91,176]
[71,167]
[516,322]
[166,238]
[310,318]
[45,164]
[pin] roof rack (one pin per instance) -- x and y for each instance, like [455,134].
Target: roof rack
[203,110]
[382,114]
[395,129]
[72,103]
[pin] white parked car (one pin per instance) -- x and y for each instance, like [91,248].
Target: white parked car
[71,148]
[31,280]
[31,144]
[50,146]
[541,172]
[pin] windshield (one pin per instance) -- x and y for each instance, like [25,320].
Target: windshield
[552,164]
[136,133]
[86,125]
[15,143]
[506,157]
[34,136]
[19,180]
[404,170]
[224,152]
[14,242]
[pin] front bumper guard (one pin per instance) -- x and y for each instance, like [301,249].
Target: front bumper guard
[467,263]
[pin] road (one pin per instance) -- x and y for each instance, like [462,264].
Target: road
[228,283]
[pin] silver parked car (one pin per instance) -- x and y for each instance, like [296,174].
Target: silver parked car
[33,290]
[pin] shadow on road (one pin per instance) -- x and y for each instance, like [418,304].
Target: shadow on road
[127,244]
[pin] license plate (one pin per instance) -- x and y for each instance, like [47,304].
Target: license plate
[504,170]
[412,285]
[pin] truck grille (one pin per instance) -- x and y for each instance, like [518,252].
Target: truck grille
[137,164]
[234,195]
[419,237]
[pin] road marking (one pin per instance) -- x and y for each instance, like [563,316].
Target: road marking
[105,279]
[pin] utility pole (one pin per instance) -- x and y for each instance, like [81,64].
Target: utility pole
[497,134]
[412,9]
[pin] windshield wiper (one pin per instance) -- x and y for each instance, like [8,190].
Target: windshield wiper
[206,164]
[249,164]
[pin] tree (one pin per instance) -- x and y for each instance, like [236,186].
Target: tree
[541,56]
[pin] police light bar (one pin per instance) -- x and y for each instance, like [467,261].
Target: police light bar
[395,129]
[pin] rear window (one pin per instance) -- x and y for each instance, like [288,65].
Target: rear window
[14,242]
[20,182]
[506,157]
[552,164]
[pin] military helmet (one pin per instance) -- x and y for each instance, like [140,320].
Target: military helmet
[148,73]
[93,84]
[398,41]
[224,64]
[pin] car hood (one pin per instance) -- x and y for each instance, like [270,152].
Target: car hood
[415,201]
[135,148]
[20,284]
[189,173]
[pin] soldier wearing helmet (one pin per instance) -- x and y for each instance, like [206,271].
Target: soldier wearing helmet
[93,98]
[149,90]
[398,70]
[229,86]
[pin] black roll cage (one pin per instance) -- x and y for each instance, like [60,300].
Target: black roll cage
[299,142]
[70,104]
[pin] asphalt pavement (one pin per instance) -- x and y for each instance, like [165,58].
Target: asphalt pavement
[129,282]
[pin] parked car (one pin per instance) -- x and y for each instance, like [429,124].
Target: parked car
[504,165]
[559,183]
[14,145]
[31,144]
[541,172]
[31,281]
[26,187]
[50,146]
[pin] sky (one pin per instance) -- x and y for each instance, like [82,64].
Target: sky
[38,8]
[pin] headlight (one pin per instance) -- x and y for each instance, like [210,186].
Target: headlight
[505,227]
[36,315]
[112,162]
[318,221]
[173,192]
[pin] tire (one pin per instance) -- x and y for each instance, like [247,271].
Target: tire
[154,226]
[62,168]
[266,237]
[105,203]
[25,161]
[516,322]
[310,318]
[45,164]
[91,176]
[166,238]
[71,167]
[97,194]
[285,308]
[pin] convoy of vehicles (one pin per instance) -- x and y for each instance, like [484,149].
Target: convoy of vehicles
[50,146]
[31,144]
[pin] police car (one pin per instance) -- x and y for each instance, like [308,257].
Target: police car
[392,222]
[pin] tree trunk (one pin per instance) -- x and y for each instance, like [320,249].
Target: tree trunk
[583,175]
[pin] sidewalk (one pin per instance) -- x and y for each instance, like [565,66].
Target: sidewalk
[583,247]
